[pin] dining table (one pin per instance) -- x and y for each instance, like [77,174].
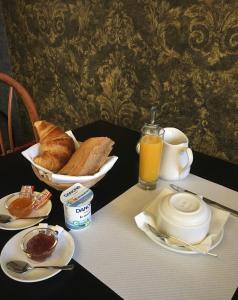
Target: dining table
[82,281]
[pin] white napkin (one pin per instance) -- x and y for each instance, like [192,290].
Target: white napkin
[34,150]
[219,219]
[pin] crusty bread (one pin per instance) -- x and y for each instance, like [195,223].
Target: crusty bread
[89,157]
[56,147]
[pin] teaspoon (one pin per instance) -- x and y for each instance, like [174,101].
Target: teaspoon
[7,219]
[19,266]
[164,236]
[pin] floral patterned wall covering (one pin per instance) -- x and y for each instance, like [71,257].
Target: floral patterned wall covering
[87,60]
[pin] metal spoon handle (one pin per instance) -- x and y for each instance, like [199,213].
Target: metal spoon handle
[186,245]
[67,267]
[34,217]
[193,247]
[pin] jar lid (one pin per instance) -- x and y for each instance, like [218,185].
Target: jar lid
[76,194]
[153,125]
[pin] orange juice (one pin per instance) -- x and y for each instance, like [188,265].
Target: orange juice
[150,157]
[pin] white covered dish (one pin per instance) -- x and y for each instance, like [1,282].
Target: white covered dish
[184,216]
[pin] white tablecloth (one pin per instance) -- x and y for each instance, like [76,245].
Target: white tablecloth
[125,259]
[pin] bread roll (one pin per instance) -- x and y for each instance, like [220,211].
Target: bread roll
[56,147]
[89,157]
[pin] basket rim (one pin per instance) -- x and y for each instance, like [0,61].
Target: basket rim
[62,186]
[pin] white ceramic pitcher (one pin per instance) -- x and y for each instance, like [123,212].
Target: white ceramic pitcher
[177,157]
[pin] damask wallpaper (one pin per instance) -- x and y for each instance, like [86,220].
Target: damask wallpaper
[87,60]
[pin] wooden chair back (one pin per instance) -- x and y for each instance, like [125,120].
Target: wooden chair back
[15,88]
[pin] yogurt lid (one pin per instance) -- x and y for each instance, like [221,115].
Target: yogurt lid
[76,195]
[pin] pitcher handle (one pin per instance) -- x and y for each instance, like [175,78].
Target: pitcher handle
[189,153]
[190,156]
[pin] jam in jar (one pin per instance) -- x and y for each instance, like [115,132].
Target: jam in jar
[21,206]
[39,244]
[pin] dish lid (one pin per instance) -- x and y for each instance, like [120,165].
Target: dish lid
[184,209]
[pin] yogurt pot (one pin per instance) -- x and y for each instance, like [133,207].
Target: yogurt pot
[77,206]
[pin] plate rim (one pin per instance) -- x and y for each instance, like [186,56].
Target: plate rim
[33,222]
[160,242]
[52,272]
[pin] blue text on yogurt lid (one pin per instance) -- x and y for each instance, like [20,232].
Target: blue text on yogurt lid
[76,195]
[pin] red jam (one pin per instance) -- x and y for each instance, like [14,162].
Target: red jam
[40,246]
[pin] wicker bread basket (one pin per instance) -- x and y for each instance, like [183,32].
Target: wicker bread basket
[45,176]
[61,186]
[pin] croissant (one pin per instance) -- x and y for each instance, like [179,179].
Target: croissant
[56,147]
[89,157]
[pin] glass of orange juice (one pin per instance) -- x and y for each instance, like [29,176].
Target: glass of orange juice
[151,145]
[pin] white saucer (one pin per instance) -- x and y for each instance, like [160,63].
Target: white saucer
[61,256]
[214,236]
[176,248]
[23,223]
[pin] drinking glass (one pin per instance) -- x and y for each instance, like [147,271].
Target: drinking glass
[151,145]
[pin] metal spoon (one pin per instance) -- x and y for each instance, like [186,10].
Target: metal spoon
[7,218]
[164,236]
[19,266]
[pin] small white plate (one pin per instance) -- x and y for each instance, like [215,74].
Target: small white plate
[61,256]
[176,248]
[23,223]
